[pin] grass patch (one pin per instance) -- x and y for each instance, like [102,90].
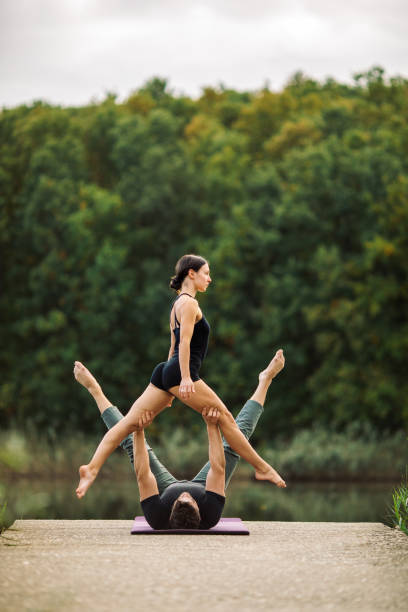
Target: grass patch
[5,519]
[400,506]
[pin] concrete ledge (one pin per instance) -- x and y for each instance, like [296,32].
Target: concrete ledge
[96,565]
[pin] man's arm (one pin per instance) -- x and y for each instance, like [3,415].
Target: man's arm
[216,476]
[145,479]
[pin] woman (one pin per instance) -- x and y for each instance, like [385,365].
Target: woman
[179,377]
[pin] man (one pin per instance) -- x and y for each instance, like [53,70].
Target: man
[184,504]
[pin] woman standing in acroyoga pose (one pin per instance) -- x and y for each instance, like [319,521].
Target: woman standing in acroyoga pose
[179,377]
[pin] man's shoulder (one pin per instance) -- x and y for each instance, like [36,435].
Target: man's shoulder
[214,495]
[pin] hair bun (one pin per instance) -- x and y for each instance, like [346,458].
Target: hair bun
[175,283]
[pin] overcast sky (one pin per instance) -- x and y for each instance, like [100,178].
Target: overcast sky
[72,51]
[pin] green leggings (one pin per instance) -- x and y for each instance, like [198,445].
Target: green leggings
[246,420]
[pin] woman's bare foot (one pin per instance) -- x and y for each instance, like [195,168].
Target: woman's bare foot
[85,378]
[271,475]
[87,476]
[275,366]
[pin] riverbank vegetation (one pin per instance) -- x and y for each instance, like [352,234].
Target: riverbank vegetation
[310,455]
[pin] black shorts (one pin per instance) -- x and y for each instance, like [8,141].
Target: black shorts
[167,374]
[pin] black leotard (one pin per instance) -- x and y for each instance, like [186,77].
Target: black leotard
[167,374]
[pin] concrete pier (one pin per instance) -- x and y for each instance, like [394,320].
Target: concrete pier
[82,565]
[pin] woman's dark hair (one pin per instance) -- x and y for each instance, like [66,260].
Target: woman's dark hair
[184,516]
[184,264]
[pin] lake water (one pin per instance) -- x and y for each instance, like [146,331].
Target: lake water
[253,501]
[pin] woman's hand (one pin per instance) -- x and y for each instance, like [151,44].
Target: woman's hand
[210,415]
[186,388]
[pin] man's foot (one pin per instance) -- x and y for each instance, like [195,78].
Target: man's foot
[85,378]
[275,366]
[271,475]
[87,476]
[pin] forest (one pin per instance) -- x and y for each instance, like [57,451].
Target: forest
[297,198]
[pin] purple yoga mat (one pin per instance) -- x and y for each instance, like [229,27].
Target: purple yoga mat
[225,526]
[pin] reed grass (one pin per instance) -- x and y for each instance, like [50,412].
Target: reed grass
[400,506]
[5,520]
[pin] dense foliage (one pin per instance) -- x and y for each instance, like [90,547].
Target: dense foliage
[299,200]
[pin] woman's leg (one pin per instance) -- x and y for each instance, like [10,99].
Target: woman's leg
[205,396]
[112,415]
[246,420]
[109,413]
[152,400]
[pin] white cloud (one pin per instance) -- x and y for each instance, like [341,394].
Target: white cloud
[69,51]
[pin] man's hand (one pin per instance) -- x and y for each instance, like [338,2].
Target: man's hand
[210,415]
[171,400]
[144,421]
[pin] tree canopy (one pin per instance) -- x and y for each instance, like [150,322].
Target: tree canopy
[297,198]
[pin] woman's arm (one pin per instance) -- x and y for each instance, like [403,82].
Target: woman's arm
[172,343]
[188,316]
